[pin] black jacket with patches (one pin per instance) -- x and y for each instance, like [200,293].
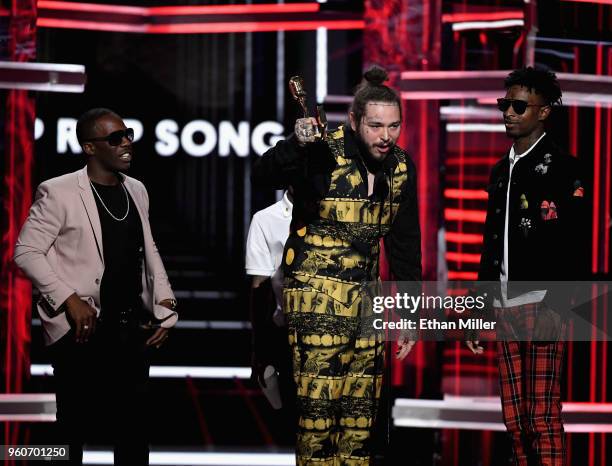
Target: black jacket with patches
[308,170]
[548,228]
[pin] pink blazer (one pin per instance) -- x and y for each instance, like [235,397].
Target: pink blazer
[60,249]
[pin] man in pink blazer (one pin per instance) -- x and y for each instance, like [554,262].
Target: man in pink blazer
[105,300]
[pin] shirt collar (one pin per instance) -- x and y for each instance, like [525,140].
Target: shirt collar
[514,157]
[287,205]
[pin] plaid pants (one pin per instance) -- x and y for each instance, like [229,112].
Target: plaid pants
[530,385]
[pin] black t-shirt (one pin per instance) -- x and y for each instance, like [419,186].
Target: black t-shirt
[123,245]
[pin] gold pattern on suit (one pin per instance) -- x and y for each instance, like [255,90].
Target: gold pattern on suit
[338,372]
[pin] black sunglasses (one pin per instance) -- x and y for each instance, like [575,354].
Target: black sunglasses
[116,137]
[519,106]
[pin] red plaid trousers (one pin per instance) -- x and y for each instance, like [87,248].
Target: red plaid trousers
[530,385]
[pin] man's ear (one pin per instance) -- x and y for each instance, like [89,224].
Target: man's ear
[544,112]
[88,148]
[353,121]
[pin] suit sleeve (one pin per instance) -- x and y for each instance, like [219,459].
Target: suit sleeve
[403,242]
[484,269]
[281,165]
[573,266]
[163,290]
[40,230]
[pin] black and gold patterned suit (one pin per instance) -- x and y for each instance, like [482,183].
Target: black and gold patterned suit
[329,259]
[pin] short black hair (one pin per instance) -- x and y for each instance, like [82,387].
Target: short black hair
[87,121]
[373,89]
[538,80]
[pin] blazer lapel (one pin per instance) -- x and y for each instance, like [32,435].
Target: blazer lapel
[130,189]
[92,209]
[146,232]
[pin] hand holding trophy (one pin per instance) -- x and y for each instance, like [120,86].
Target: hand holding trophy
[307,129]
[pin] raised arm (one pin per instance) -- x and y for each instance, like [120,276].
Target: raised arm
[285,163]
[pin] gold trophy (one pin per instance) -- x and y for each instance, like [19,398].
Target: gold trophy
[296,87]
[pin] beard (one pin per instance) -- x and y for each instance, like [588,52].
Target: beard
[373,163]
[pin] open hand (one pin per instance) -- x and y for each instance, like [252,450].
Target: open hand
[83,316]
[547,325]
[158,338]
[474,346]
[405,343]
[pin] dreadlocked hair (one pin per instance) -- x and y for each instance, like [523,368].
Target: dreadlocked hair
[538,80]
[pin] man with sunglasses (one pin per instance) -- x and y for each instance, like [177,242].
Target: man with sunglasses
[105,299]
[534,232]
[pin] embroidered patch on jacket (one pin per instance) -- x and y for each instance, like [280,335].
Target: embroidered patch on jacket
[578,189]
[541,169]
[525,225]
[548,210]
[524,202]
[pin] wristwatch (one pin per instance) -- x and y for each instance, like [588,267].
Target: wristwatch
[172,302]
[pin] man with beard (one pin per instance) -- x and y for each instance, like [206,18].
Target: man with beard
[534,231]
[351,188]
[105,297]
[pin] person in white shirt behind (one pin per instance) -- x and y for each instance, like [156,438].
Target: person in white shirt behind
[271,358]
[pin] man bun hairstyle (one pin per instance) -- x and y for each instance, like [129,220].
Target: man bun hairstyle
[87,121]
[538,80]
[373,89]
[375,76]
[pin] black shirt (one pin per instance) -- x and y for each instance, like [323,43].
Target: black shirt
[123,245]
